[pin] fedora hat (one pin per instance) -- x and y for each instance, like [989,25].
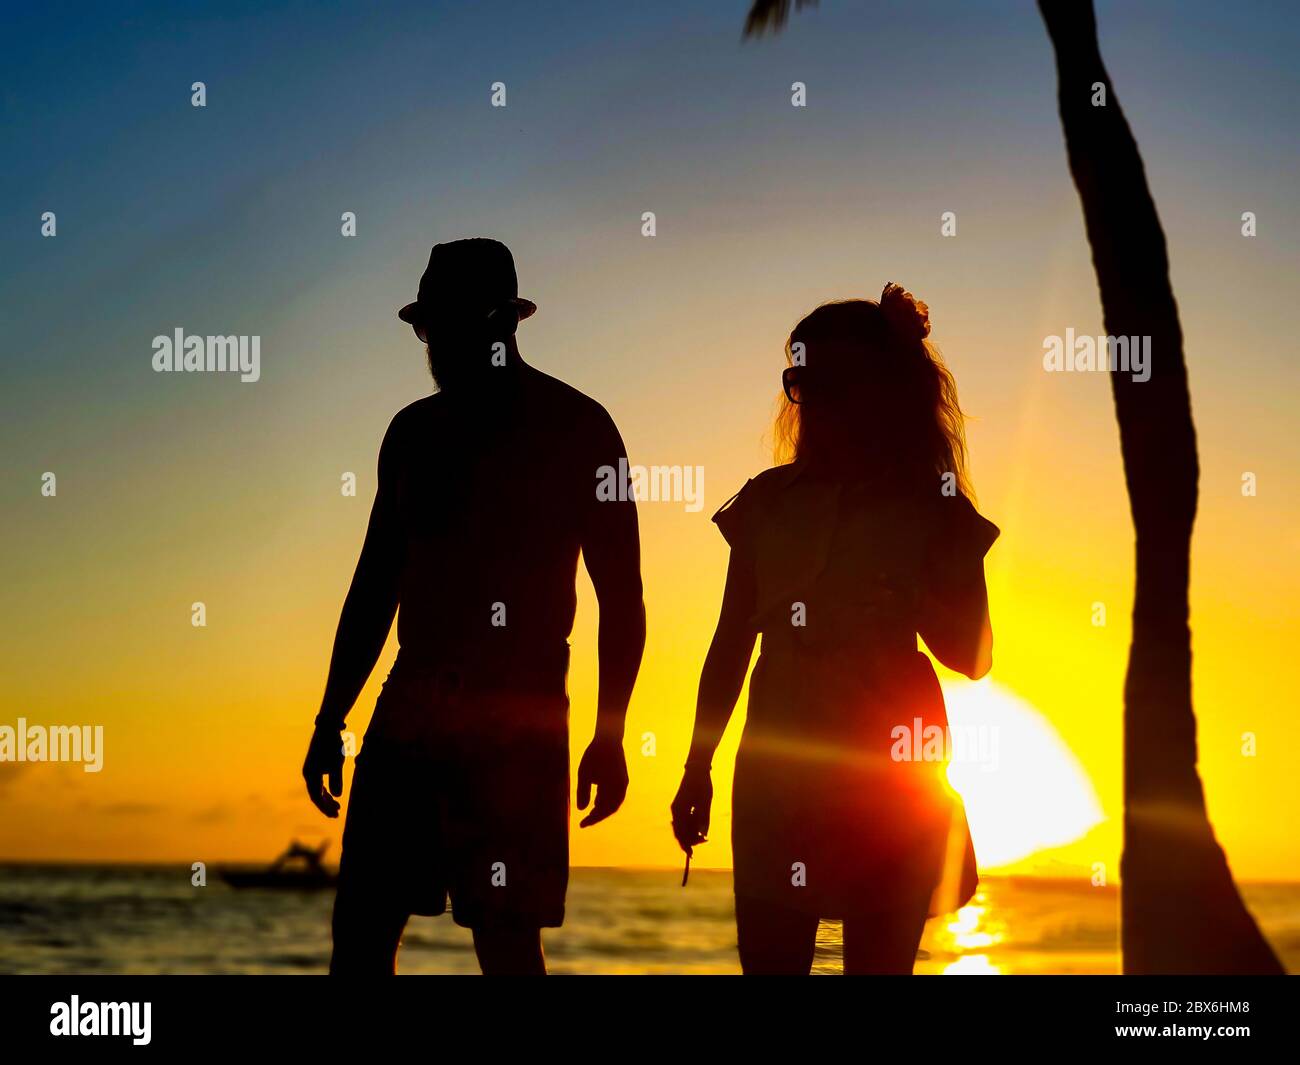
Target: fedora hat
[467,275]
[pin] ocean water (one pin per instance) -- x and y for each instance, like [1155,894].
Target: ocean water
[148,919]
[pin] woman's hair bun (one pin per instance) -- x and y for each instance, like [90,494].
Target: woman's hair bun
[908,317]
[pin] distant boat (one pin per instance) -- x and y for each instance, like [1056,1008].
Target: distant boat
[298,869]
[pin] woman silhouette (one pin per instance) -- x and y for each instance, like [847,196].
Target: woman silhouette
[840,558]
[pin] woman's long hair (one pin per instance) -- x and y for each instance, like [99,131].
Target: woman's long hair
[867,394]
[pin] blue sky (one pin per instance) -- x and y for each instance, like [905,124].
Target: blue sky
[225,220]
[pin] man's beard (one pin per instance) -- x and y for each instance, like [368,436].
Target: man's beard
[449,372]
[461,374]
[439,379]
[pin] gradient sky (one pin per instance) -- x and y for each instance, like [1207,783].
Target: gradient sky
[177,488]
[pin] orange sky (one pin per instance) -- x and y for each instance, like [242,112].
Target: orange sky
[184,488]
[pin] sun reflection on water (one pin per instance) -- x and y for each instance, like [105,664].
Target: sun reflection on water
[966,929]
[970,930]
[972,965]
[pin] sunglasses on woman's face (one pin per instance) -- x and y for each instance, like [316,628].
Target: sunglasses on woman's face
[793,381]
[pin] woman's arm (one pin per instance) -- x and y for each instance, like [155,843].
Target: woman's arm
[720,682]
[954,620]
[727,662]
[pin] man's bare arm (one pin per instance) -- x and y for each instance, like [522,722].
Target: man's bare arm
[614,564]
[363,629]
[611,549]
[370,605]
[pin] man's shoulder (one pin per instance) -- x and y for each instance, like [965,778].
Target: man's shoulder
[573,404]
[414,414]
[404,427]
[425,406]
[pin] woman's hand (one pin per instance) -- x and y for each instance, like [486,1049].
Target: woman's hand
[691,808]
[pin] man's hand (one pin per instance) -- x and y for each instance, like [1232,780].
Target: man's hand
[603,767]
[691,808]
[324,759]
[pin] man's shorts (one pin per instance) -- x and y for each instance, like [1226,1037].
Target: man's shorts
[462,790]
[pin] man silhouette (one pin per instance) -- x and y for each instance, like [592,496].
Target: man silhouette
[486,496]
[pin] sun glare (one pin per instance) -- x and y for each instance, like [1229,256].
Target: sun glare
[1023,787]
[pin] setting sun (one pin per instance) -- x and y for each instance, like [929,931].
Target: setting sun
[1025,791]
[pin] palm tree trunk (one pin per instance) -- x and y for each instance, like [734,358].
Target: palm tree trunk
[1181,912]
